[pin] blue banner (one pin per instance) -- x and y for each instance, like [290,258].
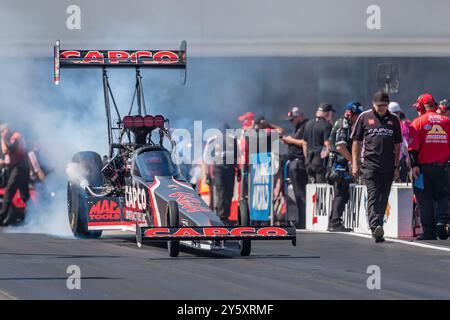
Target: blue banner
[261,187]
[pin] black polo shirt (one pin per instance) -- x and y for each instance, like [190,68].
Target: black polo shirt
[340,134]
[317,131]
[378,136]
[294,151]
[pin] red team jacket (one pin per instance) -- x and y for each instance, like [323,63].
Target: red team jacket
[430,135]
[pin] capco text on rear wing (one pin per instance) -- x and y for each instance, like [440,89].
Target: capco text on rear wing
[169,59]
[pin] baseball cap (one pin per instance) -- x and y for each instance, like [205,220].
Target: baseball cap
[354,107]
[325,107]
[426,98]
[380,97]
[247,119]
[247,116]
[394,107]
[295,112]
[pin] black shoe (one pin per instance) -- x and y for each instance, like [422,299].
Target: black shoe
[378,234]
[441,230]
[339,228]
[424,236]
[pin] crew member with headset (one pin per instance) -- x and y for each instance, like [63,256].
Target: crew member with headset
[340,159]
[18,170]
[380,133]
[429,150]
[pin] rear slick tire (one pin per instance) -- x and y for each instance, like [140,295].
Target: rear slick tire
[91,162]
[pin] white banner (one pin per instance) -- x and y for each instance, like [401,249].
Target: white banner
[398,220]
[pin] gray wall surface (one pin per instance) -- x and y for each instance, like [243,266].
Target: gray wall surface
[232,27]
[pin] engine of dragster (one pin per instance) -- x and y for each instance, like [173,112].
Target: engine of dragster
[140,180]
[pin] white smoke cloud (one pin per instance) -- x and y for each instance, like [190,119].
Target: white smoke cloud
[60,121]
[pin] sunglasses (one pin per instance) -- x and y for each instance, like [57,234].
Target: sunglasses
[382,105]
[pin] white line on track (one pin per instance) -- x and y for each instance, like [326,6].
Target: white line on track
[409,243]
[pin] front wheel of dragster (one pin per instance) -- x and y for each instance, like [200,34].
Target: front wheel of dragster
[91,163]
[173,220]
[245,245]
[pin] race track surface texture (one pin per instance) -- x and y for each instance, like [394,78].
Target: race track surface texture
[322,266]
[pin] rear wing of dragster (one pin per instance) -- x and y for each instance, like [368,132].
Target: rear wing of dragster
[166,59]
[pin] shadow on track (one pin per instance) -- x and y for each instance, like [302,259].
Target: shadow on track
[231,252]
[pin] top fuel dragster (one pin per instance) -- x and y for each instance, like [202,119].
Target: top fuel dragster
[137,187]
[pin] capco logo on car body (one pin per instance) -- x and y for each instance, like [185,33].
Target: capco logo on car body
[135,198]
[216,232]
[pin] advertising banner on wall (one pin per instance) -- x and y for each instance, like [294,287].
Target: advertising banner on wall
[261,186]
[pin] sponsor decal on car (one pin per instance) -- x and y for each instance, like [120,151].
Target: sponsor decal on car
[135,198]
[118,57]
[199,232]
[189,202]
[104,210]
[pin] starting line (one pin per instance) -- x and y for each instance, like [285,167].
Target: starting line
[405,242]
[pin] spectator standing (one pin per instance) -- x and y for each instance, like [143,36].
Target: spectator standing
[297,168]
[429,150]
[405,123]
[18,170]
[340,159]
[316,146]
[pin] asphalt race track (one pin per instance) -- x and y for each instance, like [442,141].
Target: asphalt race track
[322,266]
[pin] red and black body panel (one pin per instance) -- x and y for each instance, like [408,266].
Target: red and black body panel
[145,203]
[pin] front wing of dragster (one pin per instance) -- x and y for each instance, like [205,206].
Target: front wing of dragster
[215,233]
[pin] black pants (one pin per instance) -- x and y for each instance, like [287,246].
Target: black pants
[436,190]
[341,197]
[316,168]
[378,188]
[18,179]
[224,187]
[299,178]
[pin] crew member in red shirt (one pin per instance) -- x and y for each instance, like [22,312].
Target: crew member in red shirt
[18,170]
[429,150]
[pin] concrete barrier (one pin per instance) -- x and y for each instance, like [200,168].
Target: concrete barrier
[398,221]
